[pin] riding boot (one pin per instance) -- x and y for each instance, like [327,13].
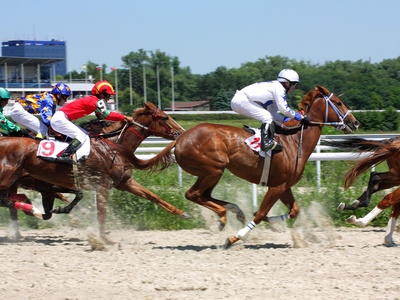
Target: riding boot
[66,155]
[267,138]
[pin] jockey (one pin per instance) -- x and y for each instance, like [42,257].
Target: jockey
[5,124]
[44,104]
[264,101]
[62,119]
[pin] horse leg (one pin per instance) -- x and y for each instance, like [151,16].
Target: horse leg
[288,200]
[200,193]
[135,188]
[377,182]
[392,225]
[67,209]
[48,202]
[102,206]
[273,194]
[14,233]
[387,201]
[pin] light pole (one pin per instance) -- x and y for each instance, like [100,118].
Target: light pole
[84,68]
[158,87]
[173,88]
[144,84]
[99,68]
[130,86]
[116,86]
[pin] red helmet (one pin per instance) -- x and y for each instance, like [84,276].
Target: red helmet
[103,87]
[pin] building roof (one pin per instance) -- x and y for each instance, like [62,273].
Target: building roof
[28,61]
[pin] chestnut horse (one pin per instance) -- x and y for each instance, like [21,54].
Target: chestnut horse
[386,150]
[206,150]
[108,164]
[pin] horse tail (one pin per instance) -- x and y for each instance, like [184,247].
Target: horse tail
[160,162]
[383,150]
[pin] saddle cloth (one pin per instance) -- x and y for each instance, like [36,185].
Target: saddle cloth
[254,142]
[50,148]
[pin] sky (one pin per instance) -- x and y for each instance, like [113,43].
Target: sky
[207,34]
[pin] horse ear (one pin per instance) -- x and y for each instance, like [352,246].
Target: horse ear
[149,105]
[323,90]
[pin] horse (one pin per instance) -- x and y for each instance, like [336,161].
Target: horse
[206,150]
[380,151]
[108,164]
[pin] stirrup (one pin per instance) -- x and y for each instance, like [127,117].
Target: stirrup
[271,145]
[66,159]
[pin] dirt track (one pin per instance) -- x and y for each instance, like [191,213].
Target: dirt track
[302,263]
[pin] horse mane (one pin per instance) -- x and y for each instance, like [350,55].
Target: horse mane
[309,98]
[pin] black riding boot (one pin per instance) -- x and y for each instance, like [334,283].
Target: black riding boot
[66,155]
[267,138]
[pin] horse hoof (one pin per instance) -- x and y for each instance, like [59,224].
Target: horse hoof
[230,241]
[355,203]
[341,206]
[352,219]
[185,216]
[221,225]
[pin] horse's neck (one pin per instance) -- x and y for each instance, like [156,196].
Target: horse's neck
[305,141]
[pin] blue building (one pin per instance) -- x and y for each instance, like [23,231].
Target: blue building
[39,49]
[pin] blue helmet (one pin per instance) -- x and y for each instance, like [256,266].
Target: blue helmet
[61,89]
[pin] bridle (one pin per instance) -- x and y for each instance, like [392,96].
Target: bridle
[338,125]
[156,117]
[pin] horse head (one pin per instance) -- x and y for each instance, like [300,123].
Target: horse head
[156,122]
[325,108]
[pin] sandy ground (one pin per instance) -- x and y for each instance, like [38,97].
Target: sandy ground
[313,260]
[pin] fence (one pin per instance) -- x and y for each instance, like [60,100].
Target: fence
[146,152]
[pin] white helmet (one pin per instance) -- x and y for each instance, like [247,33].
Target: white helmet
[288,75]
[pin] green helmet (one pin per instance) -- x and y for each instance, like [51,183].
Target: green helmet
[4,94]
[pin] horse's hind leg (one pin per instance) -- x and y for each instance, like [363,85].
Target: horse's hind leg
[14,233]
[200,193]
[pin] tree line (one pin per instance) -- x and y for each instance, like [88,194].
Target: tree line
[154,75]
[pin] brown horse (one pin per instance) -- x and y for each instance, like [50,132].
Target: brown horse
[386,150]
[206,150]
[107,166]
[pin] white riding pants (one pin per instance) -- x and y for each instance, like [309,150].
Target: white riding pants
[60,123]
[21,116]
[243,106]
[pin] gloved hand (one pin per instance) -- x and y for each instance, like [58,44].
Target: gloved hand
[306,120]
[128,119]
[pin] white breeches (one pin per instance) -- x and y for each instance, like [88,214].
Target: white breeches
[21,116]
[60,123]
[243,106]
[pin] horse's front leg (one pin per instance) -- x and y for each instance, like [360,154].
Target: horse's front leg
[288,200]
[102,195]
[14,232]
[273,194]
[391,226]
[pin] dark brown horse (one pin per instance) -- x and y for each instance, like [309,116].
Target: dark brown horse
[386,150]
[206,150]
[107,166]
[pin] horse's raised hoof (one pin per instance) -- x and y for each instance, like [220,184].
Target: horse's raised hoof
[185,216]
[230,241]
[352,219]
[341,206]
[221,225]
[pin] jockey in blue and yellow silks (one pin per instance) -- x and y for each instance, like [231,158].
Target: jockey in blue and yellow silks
[44,104]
